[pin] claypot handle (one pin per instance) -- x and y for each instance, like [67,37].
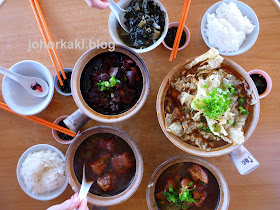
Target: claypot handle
[76,121]
[243,160]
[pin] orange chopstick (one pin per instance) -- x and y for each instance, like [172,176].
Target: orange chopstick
[180,29]
[40,121]
[49,36]
[45,39]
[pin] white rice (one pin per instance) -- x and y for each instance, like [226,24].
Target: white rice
[227,28]
[43,171]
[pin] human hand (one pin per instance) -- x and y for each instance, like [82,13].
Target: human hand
[71,204]
[99,4]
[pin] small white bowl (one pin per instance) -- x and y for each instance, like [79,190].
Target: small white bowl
[42,197]
[113,23]
[17,98]
[246,11]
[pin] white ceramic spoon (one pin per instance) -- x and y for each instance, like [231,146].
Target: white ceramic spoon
[85,185]
[85,188]
[27,82]
[119,13]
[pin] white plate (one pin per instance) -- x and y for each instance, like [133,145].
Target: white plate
[17,98]
[42,197]
[246,11]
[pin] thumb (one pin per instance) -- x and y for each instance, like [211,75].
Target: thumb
[70,204]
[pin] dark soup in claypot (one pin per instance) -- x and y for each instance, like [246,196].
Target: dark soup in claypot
[187,186]
[109,162]
[111,83]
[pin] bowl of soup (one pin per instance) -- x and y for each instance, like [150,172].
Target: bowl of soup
[187,182]
[208,105]
[112,161]
[147,22]
[110,86]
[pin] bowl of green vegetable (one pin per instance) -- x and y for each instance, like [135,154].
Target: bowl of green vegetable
[147,21]
[184,182]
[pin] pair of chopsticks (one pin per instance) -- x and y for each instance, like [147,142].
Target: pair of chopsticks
[41,121]
[180,30]
[47,37]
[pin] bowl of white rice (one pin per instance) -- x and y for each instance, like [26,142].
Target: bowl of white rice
[41,172]
[230,26]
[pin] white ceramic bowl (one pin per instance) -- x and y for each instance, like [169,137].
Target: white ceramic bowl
[113,23]
[43,197]
[17,98]
[246,11]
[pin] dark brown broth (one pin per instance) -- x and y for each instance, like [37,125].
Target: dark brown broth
[88,152]
[260,83]
[213,191]
[99,65]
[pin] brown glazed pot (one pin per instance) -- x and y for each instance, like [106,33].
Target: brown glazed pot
[251,124]
[224,191]
[85,112]
[99,200]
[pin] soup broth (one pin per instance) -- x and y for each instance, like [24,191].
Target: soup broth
[109,162]
[111,83]
[179,175]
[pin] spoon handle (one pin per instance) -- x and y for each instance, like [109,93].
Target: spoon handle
[115,8]
[10,74]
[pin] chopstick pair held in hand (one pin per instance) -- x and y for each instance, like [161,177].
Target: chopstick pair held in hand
[180,30]
[47,38]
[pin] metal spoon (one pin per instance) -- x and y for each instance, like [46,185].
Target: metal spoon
[119,13]
[28,82]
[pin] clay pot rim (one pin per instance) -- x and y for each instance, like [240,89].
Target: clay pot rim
[77,95]
[224,190]
[251,121]
[99,200]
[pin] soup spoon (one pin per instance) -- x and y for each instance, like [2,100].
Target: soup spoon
[85,185]
[35,86]
[85,189]
[119,13]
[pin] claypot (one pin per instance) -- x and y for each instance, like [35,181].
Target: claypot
[81,116]
[224,199]
[99,200]
[237,152]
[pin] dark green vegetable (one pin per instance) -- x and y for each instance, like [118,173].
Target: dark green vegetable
[145,21]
